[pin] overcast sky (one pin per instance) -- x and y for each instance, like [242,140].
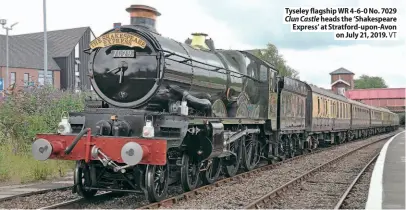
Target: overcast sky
[240,24]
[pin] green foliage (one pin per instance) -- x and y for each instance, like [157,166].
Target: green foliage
[402,118]
[22,116]
[366,82]
[21,167]
[272,56]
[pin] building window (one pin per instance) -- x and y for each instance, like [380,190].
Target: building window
[50,78]
[26,79]
[13,78]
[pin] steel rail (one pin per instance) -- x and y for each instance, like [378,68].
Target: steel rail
[282,189]
[344,196]
[77,200]
[188,195]
[63,204]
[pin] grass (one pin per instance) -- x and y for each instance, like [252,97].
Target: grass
[22,168]
[22,116]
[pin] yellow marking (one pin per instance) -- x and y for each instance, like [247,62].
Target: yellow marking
[118,38]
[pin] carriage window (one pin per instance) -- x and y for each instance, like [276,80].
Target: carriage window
[318,105]
[345,113]
[299,102]
[271,78]
[336,108]
[331,108]
[341,110]
[263,74]
[321,106]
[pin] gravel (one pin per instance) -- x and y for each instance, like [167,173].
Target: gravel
[236,194]
[128,201]
[324,188]
[38,201]
[358,196]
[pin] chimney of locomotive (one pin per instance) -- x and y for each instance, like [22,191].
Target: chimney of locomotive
[143,16]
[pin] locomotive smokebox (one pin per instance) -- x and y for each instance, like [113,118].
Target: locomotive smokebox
[142,15]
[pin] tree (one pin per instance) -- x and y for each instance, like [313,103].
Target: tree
[366,82]
[272,56]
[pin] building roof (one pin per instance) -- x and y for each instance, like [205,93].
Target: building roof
[341,71]
[25,53]
[376,93]
[64,40]
[27,50]
[340,80]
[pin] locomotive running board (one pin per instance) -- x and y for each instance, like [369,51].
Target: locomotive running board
[233,136]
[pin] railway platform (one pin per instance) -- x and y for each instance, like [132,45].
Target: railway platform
[387,186]
[7,192]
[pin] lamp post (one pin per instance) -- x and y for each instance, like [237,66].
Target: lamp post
[45,44]
[3,22]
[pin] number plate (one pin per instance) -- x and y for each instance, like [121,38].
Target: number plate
[123,53]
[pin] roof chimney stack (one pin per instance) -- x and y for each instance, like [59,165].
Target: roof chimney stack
[142,15]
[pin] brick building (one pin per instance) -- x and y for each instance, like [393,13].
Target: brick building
[342,82]
[390,98]
[67,63]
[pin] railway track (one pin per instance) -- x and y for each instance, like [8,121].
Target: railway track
[184,197]
[69,203]
[323,192]
[340,202]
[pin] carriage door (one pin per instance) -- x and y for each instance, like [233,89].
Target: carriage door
[273,98]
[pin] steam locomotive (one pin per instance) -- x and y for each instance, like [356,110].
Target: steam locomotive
[174,112]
